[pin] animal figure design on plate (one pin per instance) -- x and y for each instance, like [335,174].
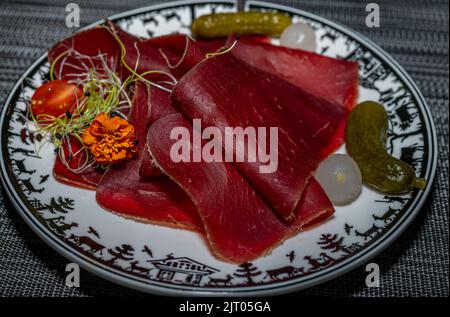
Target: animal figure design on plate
[220,281]
[387,216]
[286,271]
[88,242]
[134,267]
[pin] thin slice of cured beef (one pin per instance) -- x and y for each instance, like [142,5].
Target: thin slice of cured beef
[211,46]
[182,61]
[214,45]
[160,106]
[156,200]
[95,47]
[194,53]
[142,56]
[333,79]
[225,92]
[148,166]
[239,225]
[174,53]
[174,43]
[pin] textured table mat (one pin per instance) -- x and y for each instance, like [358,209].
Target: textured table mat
[415,33]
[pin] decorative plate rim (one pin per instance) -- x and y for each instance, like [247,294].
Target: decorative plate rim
[282,287]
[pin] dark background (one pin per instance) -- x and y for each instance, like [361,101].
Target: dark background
[415,33]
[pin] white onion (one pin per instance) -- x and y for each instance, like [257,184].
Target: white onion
[340,177]
[299,35]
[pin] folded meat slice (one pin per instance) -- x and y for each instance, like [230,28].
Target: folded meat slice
[314,207]
[148,166]
[181,53]
[225,92]
[333,79]
[156,200]
[239,225]
[160,105]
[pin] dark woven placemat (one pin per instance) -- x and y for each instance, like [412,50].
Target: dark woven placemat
[415,33]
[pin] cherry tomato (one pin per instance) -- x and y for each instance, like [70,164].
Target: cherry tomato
[55,97]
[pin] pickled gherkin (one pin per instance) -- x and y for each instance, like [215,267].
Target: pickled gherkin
[224,24]
[366,135]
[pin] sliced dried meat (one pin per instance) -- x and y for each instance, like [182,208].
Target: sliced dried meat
[75,55]
[175,43]
[148,166]
[142,56]
[214,45]
[225,92]
[182,61]
[239,225]
[160,105]
[333,79]
[210,46]
[156,200]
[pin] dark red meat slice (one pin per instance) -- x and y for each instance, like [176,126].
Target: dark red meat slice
[174,53]
[213,45]
[239,225]
[175,43]
[182,53]
[314,207]
[88,179]
[157,200]
[140,55]
[90,43]
[148,166]
[182,61]
[160,106]
[210,46]
[333,79]
[223,91]
[194,52]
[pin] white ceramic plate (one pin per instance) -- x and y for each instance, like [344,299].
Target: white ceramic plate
[168,261]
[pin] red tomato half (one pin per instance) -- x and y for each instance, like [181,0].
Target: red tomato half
[55,98]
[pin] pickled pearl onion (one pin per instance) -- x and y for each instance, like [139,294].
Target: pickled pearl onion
[340,177]
[299,35]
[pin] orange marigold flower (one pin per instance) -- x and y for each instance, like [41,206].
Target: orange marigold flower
[110,140]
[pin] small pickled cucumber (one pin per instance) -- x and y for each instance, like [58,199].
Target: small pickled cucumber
[224,24]
[365,137]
